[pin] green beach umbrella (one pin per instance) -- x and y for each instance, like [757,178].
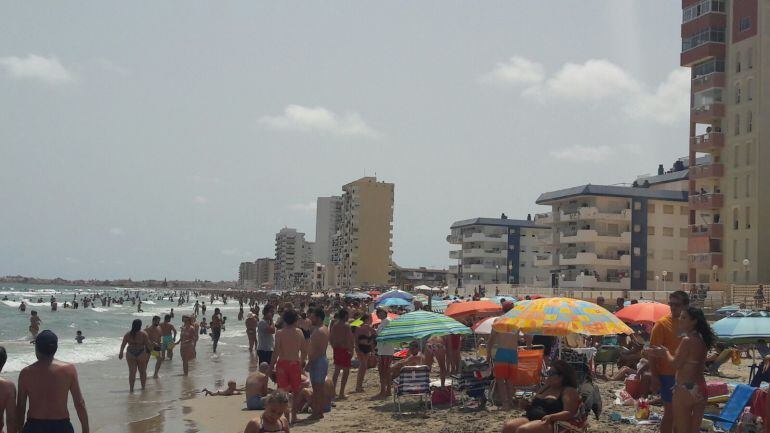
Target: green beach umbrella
[418,325]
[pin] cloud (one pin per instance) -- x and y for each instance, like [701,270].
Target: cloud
[592,80]
[304,207]
[229,252]
[668,104]
[517,70]
[199,199]
[580,153]
[46,69]
[319,120]
[117,231]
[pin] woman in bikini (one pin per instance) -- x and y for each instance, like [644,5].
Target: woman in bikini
[689,363]
[436,349]
[187,343]
[364,334]
[137,353]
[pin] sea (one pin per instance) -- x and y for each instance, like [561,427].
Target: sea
[104,377]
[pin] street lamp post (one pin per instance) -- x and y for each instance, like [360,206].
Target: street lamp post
[657,282]
[497,270]
[746,264]
[582,274]
[715,269]
[664,279]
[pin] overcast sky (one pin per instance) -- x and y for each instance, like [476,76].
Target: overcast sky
[174,139]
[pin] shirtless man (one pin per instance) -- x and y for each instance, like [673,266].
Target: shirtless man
[251,331]
[343,344]
[318,364]
[413,358]
[216,328]
[289,356]
[168,336]
[7,397]
[256,387]
[154,333]
[47,383]
[505,362]
[34,324]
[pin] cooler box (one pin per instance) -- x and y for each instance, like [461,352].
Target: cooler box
[634,386]
[714,389]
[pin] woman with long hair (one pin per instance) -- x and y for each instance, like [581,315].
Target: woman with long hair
[364,335]
[187,339]
[689,364]
[557,400]
[137,353]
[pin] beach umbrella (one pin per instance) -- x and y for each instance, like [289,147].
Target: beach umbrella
[743,328]
[418,325]
[357,295]
[728,310]
[459,310]
[420,297]
[484,326]
[375,320]
[559,317]
[648,312]
[400,294]
[439,305]
[374,293]
[393,302]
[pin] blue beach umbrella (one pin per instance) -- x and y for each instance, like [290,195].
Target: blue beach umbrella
[743,328]
[393,302]
[357,295]
[400,294]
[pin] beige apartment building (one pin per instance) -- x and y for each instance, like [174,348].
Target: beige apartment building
[362,248]
[247,274]
[617,237]
[722,44]
[293,260]
[265,272]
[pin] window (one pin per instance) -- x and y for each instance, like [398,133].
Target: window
[737,93]
[701,8]
[636,273]
[684,232]
[746,248]
[650,254]
[637,205]
[668,209]
[706,98]
[650,230]
[735,276]
[748,185]
[737,124]
[684,210]
[668,231]
[736,156]
[748,217]
[749,121]
[707,68]
[738,61]
[735,187]
[637,228]
[683,277]
[748,153]
[745,24]
[735,250]
[650,208]
[702,37]
[668,254]
[750,58]
[735,218]
[637,251]
[683,255]
[749,89]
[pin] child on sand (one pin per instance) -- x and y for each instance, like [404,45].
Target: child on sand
[231,389]
[273,419]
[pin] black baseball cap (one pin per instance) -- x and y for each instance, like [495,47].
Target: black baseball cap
[46,343]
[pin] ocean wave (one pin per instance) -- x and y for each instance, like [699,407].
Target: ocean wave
[92,349]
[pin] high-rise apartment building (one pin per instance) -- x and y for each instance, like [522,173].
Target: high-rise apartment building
[327,222]
[729,195]
[247,274]
[363,242]
[497,251]
[265,272]
[293,260]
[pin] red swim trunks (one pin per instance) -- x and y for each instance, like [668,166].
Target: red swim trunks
[288,375]
[342,357]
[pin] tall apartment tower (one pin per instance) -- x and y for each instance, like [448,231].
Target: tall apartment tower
[247,274]
[293,260]
[265,272]
[728,194]
[327,222]
[364,238]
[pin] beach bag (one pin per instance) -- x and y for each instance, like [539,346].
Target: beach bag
[736,357]
[443,396]
[634,386]
[715,389]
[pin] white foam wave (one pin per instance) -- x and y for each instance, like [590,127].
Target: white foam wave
[100,309]
[92,349]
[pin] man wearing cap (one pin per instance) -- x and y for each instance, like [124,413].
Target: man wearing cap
[7,397]
[47,383]
[251,331]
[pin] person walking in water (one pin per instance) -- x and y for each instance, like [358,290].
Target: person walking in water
[154,334]
[189,336]
[137,354]
[168,336]
[46,384]
[216,328]
[34,324]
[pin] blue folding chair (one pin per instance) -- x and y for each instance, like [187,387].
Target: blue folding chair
[733,409]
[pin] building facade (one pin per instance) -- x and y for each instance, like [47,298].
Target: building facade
[293,260]
[616,237]
[247,274]
[496,250]
[364,240]
[265,273]
[729,195]
[327,222]
[407,278]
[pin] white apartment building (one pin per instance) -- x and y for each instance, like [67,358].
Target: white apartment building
[616,237]
[497,250]
[327,222]
[293,260]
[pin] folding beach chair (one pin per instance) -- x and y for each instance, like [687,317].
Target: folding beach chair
[529,376]
[607,355]
[473,380]
[413,381]
[733,409]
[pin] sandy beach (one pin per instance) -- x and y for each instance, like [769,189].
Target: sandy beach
[361,413]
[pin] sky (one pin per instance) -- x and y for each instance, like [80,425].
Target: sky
[174,139]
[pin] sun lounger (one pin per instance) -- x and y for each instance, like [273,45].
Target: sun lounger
[733,409]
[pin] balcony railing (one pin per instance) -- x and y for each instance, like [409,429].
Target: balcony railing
[593,236]
[708,81]
[702,52]
[708,113]
[705,261]
[706,171]
[707,201]
[707,142]
[707,230]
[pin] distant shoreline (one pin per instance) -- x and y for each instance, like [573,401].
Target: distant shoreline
[144,284]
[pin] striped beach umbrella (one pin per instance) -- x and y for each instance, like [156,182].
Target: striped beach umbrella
[560,316]
[418,325]
[396,294]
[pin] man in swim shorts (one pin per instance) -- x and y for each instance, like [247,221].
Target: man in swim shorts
[318,364]
[505,362]
[290,352]
[665,333]
[256,387]
[168,336]
[7,397]
[343,344]
[153,333]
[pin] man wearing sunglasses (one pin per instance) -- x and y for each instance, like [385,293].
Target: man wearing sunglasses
[665,333]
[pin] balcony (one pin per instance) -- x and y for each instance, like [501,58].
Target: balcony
[699,245]
[544,260]
[594,213]
[708,81]
[592,259]
[707,171]
[483,237]
[701,53]
[546,239]
[707,113]
[454,239]
[707,201]
[715,231]
[590,282]
[544,218]
[592,236]
[454,269]
[479,268]
[707,143]
[456,254]
[705,261]
[484,253]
